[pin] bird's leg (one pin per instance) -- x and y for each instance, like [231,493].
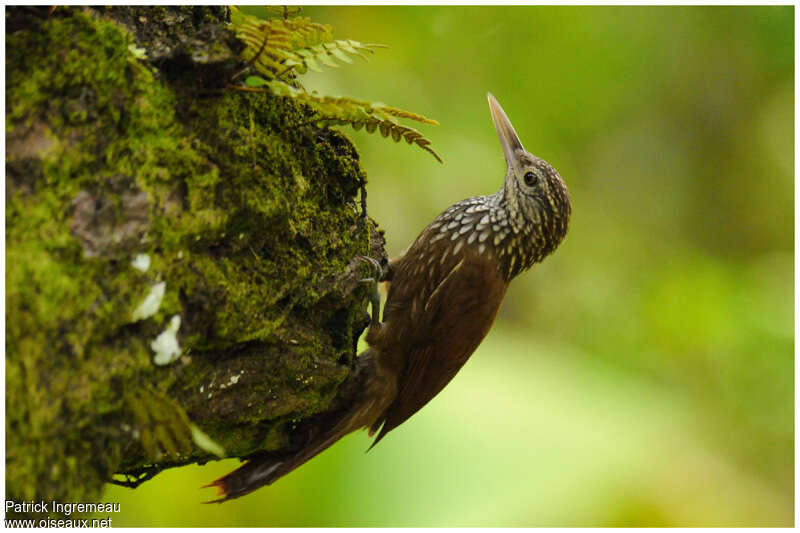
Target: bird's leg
[375,296]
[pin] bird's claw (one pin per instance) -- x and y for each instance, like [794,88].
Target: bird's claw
[374,297]
[374,264]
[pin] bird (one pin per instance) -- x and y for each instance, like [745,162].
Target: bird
[443,295]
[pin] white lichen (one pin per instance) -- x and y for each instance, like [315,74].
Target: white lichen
[233,380]
[141,262]
[151,302]
[166,344]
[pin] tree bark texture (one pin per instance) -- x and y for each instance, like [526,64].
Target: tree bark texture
[122,140]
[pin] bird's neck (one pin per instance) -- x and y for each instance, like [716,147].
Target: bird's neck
[537,228]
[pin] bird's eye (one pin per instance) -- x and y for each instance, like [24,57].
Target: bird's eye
[531,179]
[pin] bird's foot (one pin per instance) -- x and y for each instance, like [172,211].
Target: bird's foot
[375,271]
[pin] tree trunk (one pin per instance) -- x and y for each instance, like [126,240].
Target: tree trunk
[132,172]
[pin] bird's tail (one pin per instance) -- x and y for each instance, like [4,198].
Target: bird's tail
[265,469]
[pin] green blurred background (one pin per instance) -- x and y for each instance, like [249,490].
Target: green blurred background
[644,374]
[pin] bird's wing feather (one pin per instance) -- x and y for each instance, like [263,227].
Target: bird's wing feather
[460,309]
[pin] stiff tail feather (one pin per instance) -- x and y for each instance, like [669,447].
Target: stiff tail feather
[260,471]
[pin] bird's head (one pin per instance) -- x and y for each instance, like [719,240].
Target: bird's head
[532,189]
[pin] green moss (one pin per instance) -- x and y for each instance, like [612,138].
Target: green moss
[247,219]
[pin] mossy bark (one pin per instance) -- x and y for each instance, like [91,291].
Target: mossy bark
[122,140]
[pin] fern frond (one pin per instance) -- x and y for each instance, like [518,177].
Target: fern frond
[279,46]
[372,117]
[326,53]
[401,113]
[282,48]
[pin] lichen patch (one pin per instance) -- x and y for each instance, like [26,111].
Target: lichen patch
[141,262]
[166,345]
[151,302]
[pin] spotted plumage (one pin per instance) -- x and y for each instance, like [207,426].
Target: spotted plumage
[447,287]
[515,234]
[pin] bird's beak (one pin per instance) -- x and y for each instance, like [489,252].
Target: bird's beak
[508,137]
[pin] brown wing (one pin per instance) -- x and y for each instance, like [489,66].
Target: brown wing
[438,324]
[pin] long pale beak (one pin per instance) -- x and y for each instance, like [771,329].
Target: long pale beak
[508,137]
